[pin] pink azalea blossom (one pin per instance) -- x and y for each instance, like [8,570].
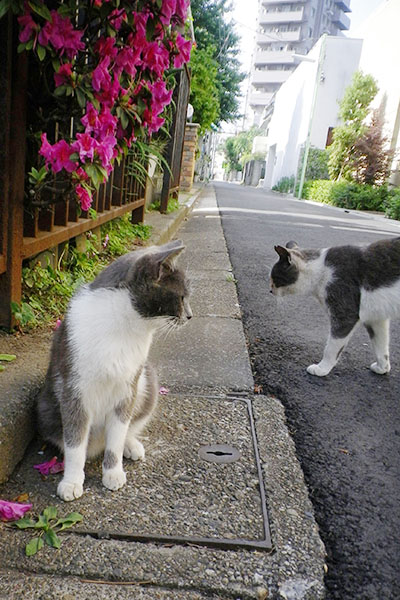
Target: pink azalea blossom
[106,240]
[167,10]
[151,121]
[156,58]
[91,119]
[85,145]
[107,123]
[117,17]
[57,155]
[12,511]
[184,47]
[85,199]
[60,33]
[101,78]
[28,26]
[50,466]
[128,59]
[106,150]
[182,9]
[106,47]
[108,96]
[63,74]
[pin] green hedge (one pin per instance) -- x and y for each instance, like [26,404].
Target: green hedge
[392,206]
[350,195]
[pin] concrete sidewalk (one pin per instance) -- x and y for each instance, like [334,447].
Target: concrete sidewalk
[186,525]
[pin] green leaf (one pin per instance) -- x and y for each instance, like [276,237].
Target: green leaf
[60,91]
[41,52]
[20,48]
[41,522]
[51,538]
[25,523]
[33,546]
[4,6]
[7,357]
[50,512]
[81,98]
[42,10]
[1,368]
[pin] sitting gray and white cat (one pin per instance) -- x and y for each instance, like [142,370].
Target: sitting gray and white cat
[354,284]
[100,390]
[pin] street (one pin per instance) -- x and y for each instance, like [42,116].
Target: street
[346,426]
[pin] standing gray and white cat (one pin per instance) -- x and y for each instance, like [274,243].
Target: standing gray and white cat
[354,284]
[100,390]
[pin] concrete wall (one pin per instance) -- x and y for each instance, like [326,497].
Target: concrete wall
[293,111]
[188,157]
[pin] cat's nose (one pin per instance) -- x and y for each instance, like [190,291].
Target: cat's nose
[188,310]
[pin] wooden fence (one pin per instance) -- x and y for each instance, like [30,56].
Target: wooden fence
[26,231]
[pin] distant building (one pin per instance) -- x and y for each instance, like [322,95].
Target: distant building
[306,106]
[287,27]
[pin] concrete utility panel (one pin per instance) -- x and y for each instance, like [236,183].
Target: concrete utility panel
[173,495]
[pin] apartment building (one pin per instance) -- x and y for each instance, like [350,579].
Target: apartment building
[287,28]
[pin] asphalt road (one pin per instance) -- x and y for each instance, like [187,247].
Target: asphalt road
[346,426]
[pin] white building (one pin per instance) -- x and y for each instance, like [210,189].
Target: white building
[306,106]
[286,27]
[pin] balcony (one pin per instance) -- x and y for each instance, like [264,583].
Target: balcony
[270,77]
[267,3]
[273,57]
[284,16]
[341,20]
[344,5]
[259,99]
[278,36]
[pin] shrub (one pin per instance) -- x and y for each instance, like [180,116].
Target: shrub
[345,194]
[284,185]
[392,205]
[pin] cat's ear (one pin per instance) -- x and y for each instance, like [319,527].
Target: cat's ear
[284,254]
[164,257]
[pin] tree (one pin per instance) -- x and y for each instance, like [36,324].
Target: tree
[203,90]
[372,158]
[354,108]
[213,32]
[237,149]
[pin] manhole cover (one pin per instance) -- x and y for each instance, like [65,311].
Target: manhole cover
[219,453]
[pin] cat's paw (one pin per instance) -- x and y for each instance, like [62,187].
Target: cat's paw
[114,479]
[317,370]
[380,369]
[68,490]
[133,449]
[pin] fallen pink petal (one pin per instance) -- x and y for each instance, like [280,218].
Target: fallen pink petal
[163,391]
[12,511]
[51,466]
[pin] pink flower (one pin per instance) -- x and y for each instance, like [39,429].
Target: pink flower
[57,155]
[11,511]
[167,10]
[108,123]
[106,240]
[117,17]
[160,96]
[85,145]
[109,95]
[156,58]
[106,150]
[101,78]
[85,199]
[51,466]
[127,60]
[91,119]
[63,75]
[62,35]
[106,47]
[182,9]
[184,47]
[28,26]
[151,121]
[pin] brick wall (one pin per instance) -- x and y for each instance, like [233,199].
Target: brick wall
[188,157]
